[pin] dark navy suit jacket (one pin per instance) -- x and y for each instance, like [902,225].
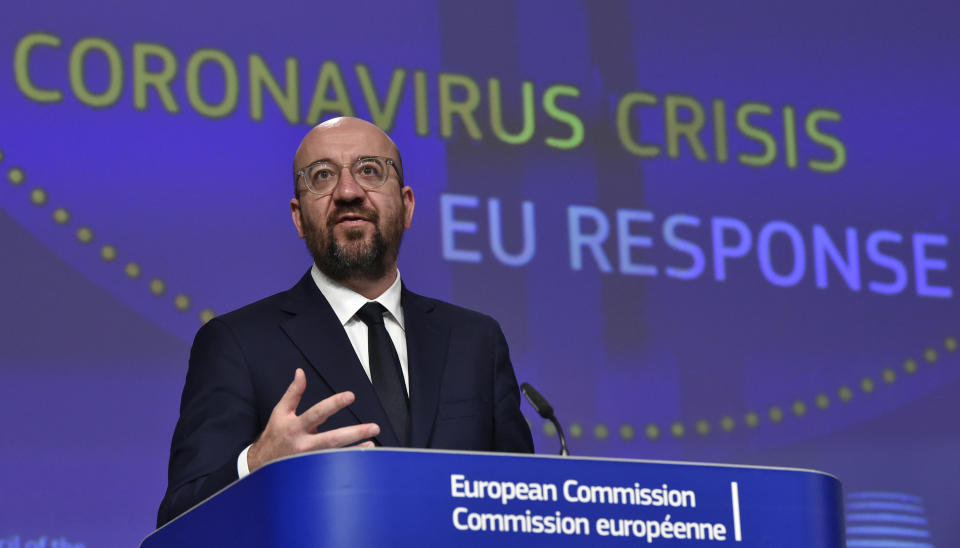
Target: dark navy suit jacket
[463,392]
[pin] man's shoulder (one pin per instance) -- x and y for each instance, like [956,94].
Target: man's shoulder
[266,309]
[446,312]
[252,322]
[269,311]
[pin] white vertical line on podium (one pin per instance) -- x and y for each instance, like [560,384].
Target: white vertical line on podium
[735,495]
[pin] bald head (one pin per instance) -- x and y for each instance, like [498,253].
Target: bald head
[343,140]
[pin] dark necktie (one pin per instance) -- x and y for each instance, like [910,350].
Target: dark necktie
[385,370]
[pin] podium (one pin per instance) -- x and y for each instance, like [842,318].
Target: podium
[406,497]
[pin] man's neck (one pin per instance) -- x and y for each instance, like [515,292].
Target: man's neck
[372,289]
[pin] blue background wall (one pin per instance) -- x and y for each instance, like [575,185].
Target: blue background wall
[778,289]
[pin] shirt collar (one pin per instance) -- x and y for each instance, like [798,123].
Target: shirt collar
[346,302]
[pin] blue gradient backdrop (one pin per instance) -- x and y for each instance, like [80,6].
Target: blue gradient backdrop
[93,361]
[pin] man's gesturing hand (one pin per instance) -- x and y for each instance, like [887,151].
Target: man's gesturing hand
[288,434]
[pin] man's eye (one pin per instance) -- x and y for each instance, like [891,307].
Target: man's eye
[322,174]
[370,169]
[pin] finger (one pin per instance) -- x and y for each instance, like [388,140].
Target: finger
[291,398]
[342,437]
[365,444]
[320,412]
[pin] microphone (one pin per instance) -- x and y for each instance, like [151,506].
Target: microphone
[545,410]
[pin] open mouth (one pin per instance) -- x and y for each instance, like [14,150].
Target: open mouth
[353,220]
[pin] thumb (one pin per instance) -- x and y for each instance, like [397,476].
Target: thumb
[291,398]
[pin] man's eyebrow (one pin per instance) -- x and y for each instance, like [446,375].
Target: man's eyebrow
[311,162]
[360,158]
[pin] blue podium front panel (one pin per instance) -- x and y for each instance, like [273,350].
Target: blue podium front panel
[397,497]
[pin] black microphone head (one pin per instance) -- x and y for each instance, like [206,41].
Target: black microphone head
[538,402]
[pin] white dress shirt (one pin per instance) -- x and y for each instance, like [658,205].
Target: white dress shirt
[345,303]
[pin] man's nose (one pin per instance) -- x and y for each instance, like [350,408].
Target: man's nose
[348,189]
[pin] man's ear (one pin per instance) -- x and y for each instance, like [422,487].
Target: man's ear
[406,194]
[296,215]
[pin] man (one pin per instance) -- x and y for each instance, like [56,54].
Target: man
[371,363]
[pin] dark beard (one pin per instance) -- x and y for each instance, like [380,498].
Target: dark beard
[353,259]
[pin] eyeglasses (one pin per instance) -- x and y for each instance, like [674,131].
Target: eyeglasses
[369,172]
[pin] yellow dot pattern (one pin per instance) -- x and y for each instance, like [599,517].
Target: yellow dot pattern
[823,401]
[15,176]
[108,253]
[799,408]
[157,286]
[132,270]
[576,430]
[549,429]
[889,376]
[775,414]
[38,196]
[206,315]
[84,235]
[601,432]
[182,302]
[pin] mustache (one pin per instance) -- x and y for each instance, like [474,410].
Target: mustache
[352,211]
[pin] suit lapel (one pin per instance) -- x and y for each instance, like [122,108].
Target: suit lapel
[320,337]
[427,342]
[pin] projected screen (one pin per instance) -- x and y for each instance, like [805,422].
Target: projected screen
[710,233]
